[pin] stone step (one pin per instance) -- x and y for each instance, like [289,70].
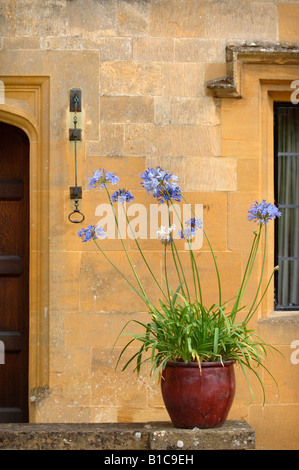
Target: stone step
[124,436]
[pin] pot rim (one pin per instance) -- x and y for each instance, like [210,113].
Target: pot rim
[202,364]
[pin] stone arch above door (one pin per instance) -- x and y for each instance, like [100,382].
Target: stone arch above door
[24,104]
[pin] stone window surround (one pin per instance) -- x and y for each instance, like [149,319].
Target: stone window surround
[271,88]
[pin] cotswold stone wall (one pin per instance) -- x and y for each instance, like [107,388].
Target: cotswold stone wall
[143,68]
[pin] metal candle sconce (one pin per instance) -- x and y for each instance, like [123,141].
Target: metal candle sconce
[75,135]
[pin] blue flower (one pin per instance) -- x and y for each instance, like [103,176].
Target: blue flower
[91,233]
[192,225]
[161,184]
[102,177]
[263,212]
[121,196]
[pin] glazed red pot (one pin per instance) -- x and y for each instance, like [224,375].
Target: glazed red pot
[197,397]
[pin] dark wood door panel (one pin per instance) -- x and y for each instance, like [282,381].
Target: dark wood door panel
[12,340]
[9,304]
[10,220]
[14,272]
[11,190]
[11,265]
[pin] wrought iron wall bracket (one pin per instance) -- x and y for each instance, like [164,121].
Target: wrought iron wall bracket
[75,100]
[75,134]
[76,217]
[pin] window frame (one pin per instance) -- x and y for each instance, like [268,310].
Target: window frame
[276,106]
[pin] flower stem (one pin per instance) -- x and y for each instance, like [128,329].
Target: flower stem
[125,250]
[142,255]
[247,272]
[213,255]
[249,315]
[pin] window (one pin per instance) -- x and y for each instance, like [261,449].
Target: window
[286,174]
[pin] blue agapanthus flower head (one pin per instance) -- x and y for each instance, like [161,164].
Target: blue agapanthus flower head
[191,226]
[92,232]
[161,184]
[263,212]
[102,177]
[121,196]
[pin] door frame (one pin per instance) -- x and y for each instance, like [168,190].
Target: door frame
[26,105]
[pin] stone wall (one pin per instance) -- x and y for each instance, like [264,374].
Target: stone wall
[143,68]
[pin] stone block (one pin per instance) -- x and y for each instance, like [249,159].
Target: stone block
[124,109]
[230,19]
[133,18]
[85,330]
[118,338]
[102,289]
[177,18]
[183,79]
[280,328]
[6,19]
[64,272]
[117,48]
[111,387]
[37,20]
[284,368]
[233,116]
[153,49]
[229,270]
[288,15]
[180,111]
[249,176]
[240,148]
[173,141]
[127,77]
[208,174]
[273,420]
[112,139]
[21,43]
[240,230]
[214,70]
[200,50]
[96,20]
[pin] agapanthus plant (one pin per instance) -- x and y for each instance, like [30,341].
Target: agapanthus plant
[181,327]
[122,196]
[91,233]
[101,177]
[161,184]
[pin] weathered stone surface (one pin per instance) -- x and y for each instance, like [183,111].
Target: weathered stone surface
[288,22]
[125,109]
[233,435]
[230,18]
[177,18]
[132,18]
[153,49]
[124,436]
[127,77]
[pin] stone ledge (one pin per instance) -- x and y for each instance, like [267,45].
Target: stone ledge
[234,435]
[280,53]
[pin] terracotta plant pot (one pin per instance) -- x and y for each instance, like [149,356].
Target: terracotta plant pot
[198,398]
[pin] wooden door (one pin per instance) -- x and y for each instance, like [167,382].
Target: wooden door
[14,272]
